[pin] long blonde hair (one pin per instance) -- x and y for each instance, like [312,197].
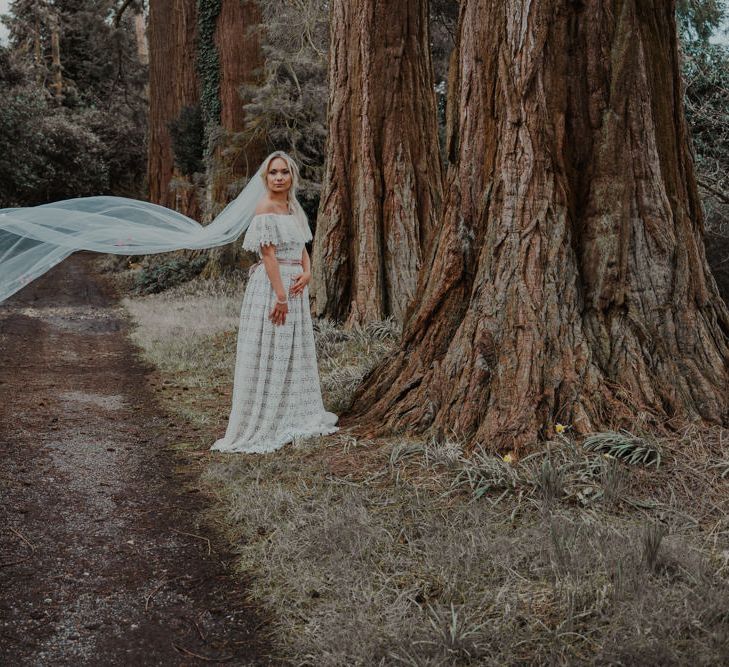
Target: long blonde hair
[295,207]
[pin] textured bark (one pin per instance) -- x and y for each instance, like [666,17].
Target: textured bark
[381,194]
[173,84]
[569,282]
[238,41]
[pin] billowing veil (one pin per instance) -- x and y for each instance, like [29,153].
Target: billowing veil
[36,238]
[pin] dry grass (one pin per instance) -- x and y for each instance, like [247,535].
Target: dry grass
[407,552]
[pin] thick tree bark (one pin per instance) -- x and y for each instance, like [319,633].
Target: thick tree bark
[238,42]
[381,194]
[173,84]
[569,282]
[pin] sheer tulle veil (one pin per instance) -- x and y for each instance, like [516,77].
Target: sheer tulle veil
[34,239]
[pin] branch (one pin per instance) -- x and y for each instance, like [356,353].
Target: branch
[120,12]
[714,191]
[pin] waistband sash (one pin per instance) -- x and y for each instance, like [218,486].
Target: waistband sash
[280,261]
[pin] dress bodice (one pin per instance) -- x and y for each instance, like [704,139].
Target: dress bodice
[289,250]
[285,231]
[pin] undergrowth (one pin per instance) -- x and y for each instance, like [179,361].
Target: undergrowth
[612,549]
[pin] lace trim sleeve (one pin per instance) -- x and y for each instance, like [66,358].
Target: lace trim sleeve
[271,228]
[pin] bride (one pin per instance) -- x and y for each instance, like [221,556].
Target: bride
[276,391]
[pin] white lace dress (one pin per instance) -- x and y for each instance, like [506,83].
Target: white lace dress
[276,390]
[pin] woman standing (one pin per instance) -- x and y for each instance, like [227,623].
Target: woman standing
[276,391]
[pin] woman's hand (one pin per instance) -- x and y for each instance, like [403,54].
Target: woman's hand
[278,314]
[302,280]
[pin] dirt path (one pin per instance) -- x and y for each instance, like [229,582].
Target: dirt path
[99,559]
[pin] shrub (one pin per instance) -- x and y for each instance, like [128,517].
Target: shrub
[161,277]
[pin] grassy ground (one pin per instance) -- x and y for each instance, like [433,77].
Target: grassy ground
[405,551]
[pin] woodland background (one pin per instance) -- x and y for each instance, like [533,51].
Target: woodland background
[180,100]
[425,548]
[85,111]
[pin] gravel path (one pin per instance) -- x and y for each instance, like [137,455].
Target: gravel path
[102,560]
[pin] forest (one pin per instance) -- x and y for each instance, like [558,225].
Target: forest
[520,294]
[182,102]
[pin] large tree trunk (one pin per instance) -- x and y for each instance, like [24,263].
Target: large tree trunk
[238,39]
[382,188]
[569,282]
[173,84]
[238,42]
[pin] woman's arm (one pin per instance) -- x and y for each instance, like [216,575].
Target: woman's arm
[302,280]
[268,253]
[268,256]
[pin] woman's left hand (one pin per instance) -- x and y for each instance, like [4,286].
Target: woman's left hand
[302,280]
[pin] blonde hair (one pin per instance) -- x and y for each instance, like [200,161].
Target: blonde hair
[295,207]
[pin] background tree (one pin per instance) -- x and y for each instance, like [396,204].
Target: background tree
[21,116]
[55,154]
[229,57]
[173,88]
[382,186]
[89,108]
[698,20]
[201,53]
[443,28]
[569,282]
[284,110]
[706,81]
[28,24]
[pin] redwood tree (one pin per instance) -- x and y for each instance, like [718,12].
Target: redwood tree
[569,282]
[381,193]
[201,58]
[173,85]
[238,42]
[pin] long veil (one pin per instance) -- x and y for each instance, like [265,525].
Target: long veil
[36,238]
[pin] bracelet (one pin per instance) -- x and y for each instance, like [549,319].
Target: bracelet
[282,302]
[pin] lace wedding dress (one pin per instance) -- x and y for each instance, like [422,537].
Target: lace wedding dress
[276,391]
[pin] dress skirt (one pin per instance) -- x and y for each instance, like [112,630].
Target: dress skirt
[276,390]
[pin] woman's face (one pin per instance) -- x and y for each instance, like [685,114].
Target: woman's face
[278,177]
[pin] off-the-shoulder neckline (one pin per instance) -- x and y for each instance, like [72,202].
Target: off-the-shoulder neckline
[285,215]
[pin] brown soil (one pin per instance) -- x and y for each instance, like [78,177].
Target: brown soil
[103,559]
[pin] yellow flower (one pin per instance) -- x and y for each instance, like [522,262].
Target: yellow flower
[508,458]
[560,428]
